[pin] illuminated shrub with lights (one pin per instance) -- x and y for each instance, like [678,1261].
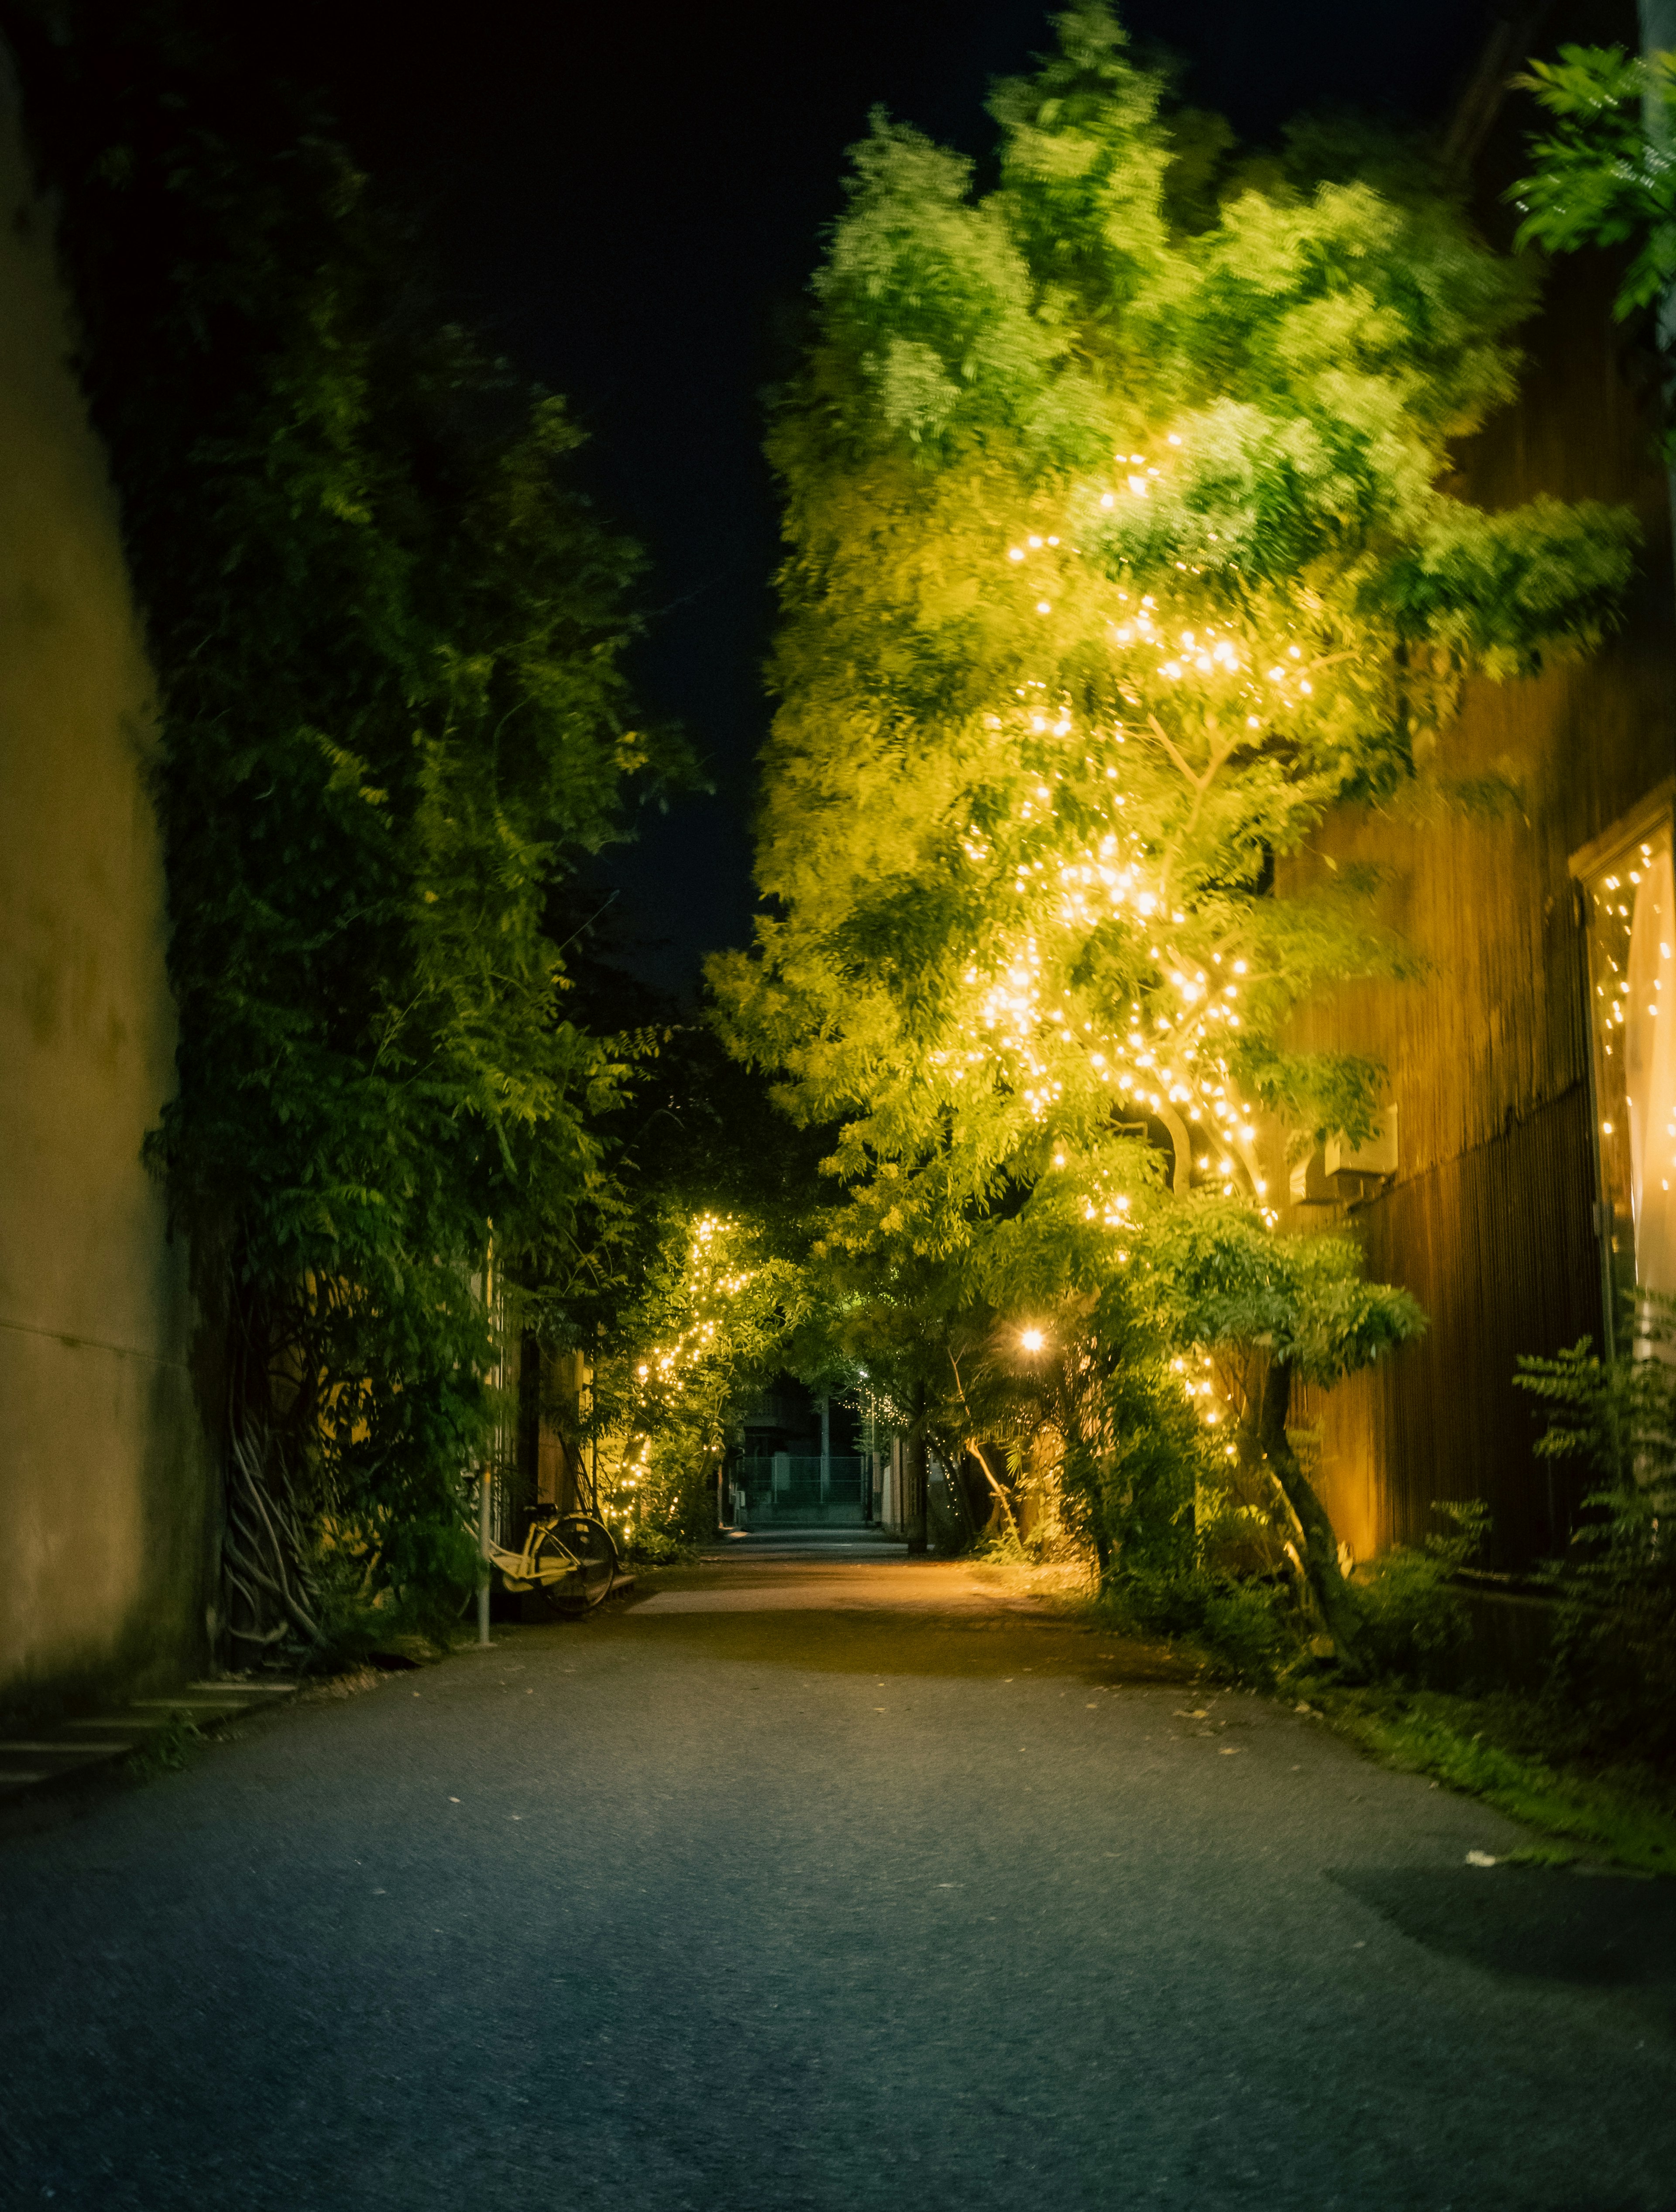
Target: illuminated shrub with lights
[704,1335]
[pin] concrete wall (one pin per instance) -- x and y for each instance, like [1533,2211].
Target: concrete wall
[105,1479]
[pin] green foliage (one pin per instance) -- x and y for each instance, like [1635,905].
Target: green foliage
[648,1545]
[382,1578]
[1615,1649]
[1504,1753]
[387,634]
[1416,1626]
[1236,1286]
[1603,175]
[166,1750]
[704,1335]
[1247,1628]
[1117,556]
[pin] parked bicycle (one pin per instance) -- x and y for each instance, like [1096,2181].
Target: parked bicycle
[570,1559]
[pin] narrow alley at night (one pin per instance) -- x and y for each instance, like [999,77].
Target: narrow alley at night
[838,1107]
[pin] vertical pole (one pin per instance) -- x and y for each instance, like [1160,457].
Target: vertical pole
[915,1473]
[482,1542]
[488,1478]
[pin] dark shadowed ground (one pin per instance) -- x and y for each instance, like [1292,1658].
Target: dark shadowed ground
[907,1900]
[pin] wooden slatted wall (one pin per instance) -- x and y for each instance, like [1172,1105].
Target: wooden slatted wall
[1490,1218]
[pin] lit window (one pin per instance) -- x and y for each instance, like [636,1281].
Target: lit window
[1634,1053]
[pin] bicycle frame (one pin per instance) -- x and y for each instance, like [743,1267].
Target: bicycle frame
[523,1570]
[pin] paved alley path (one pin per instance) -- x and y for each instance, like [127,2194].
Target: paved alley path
[830,1885]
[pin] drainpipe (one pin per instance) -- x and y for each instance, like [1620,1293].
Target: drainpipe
[484,1486]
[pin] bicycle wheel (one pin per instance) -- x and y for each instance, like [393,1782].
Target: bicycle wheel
[587,1543]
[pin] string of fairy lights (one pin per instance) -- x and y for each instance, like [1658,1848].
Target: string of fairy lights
[1166,1049]
[1077,860]
[711,1275]
[1618,897]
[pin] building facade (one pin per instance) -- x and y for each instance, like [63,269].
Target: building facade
[1527,1167]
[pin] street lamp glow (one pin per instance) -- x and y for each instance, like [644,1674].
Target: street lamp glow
[1032,1339]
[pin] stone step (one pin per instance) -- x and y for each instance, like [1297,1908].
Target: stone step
[76,1745]
[13,1748]
[193,1701]
[137,1721]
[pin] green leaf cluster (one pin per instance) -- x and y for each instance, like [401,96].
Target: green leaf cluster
[1615,1652]
[715,1307]
[1605,174]
[1117,556]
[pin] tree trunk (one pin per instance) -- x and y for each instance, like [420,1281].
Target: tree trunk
[916,1476]
[1321,1552]
[1000,1495]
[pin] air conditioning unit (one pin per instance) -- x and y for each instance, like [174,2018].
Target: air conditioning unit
[1378,1157]
[1336,1174]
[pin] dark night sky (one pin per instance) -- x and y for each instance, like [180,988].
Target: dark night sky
[629,201]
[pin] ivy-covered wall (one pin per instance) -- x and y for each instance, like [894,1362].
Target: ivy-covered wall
[106,1498]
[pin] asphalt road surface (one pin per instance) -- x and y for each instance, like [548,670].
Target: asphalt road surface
[834,1887]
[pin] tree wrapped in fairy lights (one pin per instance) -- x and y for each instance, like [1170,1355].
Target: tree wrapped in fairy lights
[706,1331]
[1117,554]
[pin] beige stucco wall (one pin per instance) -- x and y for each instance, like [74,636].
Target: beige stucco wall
[104,1523]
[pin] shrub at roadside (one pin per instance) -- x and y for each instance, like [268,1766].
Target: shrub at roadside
[1416,1629]
[1615,1644]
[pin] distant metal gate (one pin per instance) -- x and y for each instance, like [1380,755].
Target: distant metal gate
[789,1492]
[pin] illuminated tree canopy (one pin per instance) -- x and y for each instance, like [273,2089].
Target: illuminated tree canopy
[703,1334]
[1117,554]
[1119,551]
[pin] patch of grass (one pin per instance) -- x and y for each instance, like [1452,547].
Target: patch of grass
[166,1750]
[350,1685]
[655,1548]
[1059,1583]
[1491,1748]
[1241,1631]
